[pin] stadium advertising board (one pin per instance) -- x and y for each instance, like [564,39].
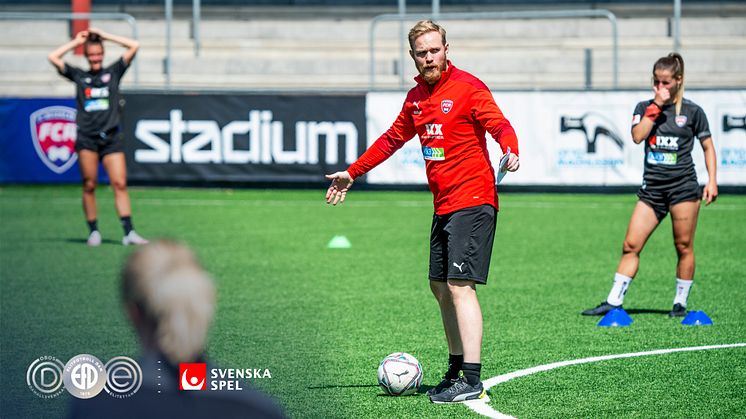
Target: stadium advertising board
[37,141]
[567,138]
[241,138]
[575,138]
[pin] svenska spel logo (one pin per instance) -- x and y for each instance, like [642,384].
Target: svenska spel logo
[53,132]
[192,376]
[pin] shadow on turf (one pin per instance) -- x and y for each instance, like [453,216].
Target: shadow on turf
[84,241]
[347,386]
[646,311]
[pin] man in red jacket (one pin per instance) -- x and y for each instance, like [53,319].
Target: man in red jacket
[450,111]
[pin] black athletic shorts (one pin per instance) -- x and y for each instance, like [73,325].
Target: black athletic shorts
[461,244]
[101,144]
[661,200]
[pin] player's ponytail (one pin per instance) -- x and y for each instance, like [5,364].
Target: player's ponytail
[175,297]
[674,63]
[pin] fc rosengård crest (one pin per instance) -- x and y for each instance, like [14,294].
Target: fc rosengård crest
[446,105]
[53,132]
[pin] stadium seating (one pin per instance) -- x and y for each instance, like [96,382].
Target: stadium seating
[329,52]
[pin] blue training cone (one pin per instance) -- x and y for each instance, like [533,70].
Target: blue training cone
[615,318]
[696,318]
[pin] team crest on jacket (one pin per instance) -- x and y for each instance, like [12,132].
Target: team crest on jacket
[53,132]
[446,105]
[105,78]
[680,121]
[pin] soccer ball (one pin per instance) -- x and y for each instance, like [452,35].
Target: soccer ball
[400,374]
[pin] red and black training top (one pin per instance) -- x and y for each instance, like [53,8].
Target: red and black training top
[451,119]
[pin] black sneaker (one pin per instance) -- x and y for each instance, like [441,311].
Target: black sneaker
[677,311]
[600,309]
[460,391]
[442,385]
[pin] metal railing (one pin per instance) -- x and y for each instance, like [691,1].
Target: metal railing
[558,14]
[79,16]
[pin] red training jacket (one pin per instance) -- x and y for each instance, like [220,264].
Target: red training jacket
[451,119]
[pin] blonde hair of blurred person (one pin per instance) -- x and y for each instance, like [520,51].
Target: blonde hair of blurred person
[170,299]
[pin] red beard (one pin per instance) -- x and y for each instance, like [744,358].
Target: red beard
[432,75]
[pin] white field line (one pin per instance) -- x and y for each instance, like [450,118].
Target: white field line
[350,202]
[482,407]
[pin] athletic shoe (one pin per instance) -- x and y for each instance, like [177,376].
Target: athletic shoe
[460,391]
[442,385]
[94,239]
[600,309]
[677,311]
[133,238]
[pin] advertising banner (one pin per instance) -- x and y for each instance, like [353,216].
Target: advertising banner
[241,138]
[566,138]
[37,142]
[575,138]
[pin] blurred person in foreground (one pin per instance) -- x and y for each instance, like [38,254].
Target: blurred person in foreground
[99,134]
[669,124]
[451,111]
[170,300]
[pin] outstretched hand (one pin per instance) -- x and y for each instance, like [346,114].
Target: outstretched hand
[341,182]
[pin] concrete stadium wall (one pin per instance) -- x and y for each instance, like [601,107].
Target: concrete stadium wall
[327,49]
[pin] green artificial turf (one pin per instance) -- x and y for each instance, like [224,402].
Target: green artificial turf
[322,319]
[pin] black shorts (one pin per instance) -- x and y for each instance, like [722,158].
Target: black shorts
[102,145]
[461,244]
[661,200]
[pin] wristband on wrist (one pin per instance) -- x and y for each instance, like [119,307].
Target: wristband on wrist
[652,111]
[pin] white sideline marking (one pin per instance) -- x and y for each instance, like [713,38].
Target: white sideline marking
[259,202]
[481,406]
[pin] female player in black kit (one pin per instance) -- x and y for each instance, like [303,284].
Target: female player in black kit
[668,124]
[99,136]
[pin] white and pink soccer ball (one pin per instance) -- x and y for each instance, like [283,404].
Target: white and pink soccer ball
[400,374]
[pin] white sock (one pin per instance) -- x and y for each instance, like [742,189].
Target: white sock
[616,295]
[682,291]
